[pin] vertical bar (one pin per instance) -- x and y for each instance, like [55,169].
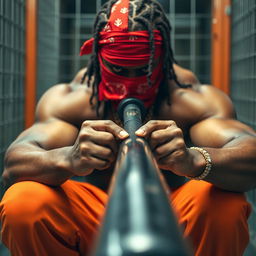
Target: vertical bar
[98,5]
[77,17]
[1,82]
[31,63]
[221,23]
[193,35]
[12,103]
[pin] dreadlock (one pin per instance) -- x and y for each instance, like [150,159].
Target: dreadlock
[143,15]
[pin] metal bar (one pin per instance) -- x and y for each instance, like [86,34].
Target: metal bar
[138,197]
[193,19]
[221,26]
[31,61]
[77,29]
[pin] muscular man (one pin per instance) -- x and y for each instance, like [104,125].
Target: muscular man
[77,133]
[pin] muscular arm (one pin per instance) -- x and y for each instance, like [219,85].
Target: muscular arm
[231,144]
[39,154]
[54,149]
[211,118]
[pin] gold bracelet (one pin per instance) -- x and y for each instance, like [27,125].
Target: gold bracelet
[208,166]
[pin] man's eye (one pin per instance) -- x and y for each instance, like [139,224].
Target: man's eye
[117,69]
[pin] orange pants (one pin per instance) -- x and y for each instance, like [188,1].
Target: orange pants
[40,220]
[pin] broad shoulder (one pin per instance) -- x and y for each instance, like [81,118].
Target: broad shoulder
[185,76]
[192,105]
[212,102]
[69,102]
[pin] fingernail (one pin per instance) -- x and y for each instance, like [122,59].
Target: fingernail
[140,132]
[123,134]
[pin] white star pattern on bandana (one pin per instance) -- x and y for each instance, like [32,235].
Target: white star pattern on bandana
[124,10]
[118,22]
[107,28]
[113,8]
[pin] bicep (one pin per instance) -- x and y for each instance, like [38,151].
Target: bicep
[50,134]
[218,132]
[50,130]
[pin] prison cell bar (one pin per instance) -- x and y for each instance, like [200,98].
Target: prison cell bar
[221,23]
[31,61]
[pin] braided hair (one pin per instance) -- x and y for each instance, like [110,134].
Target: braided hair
[143,15]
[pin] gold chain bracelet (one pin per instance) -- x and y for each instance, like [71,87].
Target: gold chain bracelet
[208,166]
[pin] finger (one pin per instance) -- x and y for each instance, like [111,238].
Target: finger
[159,137]
[107,126]
[162,136]
[103,153]
[95,163]
[99,137]
[174,148]
[153,125]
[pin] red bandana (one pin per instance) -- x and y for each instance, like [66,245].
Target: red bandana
[123,48]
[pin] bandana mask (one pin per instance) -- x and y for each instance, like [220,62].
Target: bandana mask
[120,47]
[115,87]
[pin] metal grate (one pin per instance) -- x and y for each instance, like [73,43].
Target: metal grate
[48,45]
[243,91]
[12,35]
[76,21]
[191,35]
[12,38]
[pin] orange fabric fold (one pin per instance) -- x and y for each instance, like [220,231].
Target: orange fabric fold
[40,220]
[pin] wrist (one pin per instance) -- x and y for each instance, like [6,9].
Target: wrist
[202,163]
[73,164]
[60,161]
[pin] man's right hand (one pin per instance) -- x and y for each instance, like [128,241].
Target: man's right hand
[96,146]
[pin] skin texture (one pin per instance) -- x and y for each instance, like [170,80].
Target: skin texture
[67,139]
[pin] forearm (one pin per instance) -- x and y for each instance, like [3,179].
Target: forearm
[234,165]
[29,162]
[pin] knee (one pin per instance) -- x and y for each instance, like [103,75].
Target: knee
[221,207]
[23,202]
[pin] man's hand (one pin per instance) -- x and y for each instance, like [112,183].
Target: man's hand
[96,146]
[169,148]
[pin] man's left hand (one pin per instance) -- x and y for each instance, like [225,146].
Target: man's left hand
[168,146]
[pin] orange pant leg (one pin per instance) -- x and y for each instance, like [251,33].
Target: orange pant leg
[40,220]
[213,220]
